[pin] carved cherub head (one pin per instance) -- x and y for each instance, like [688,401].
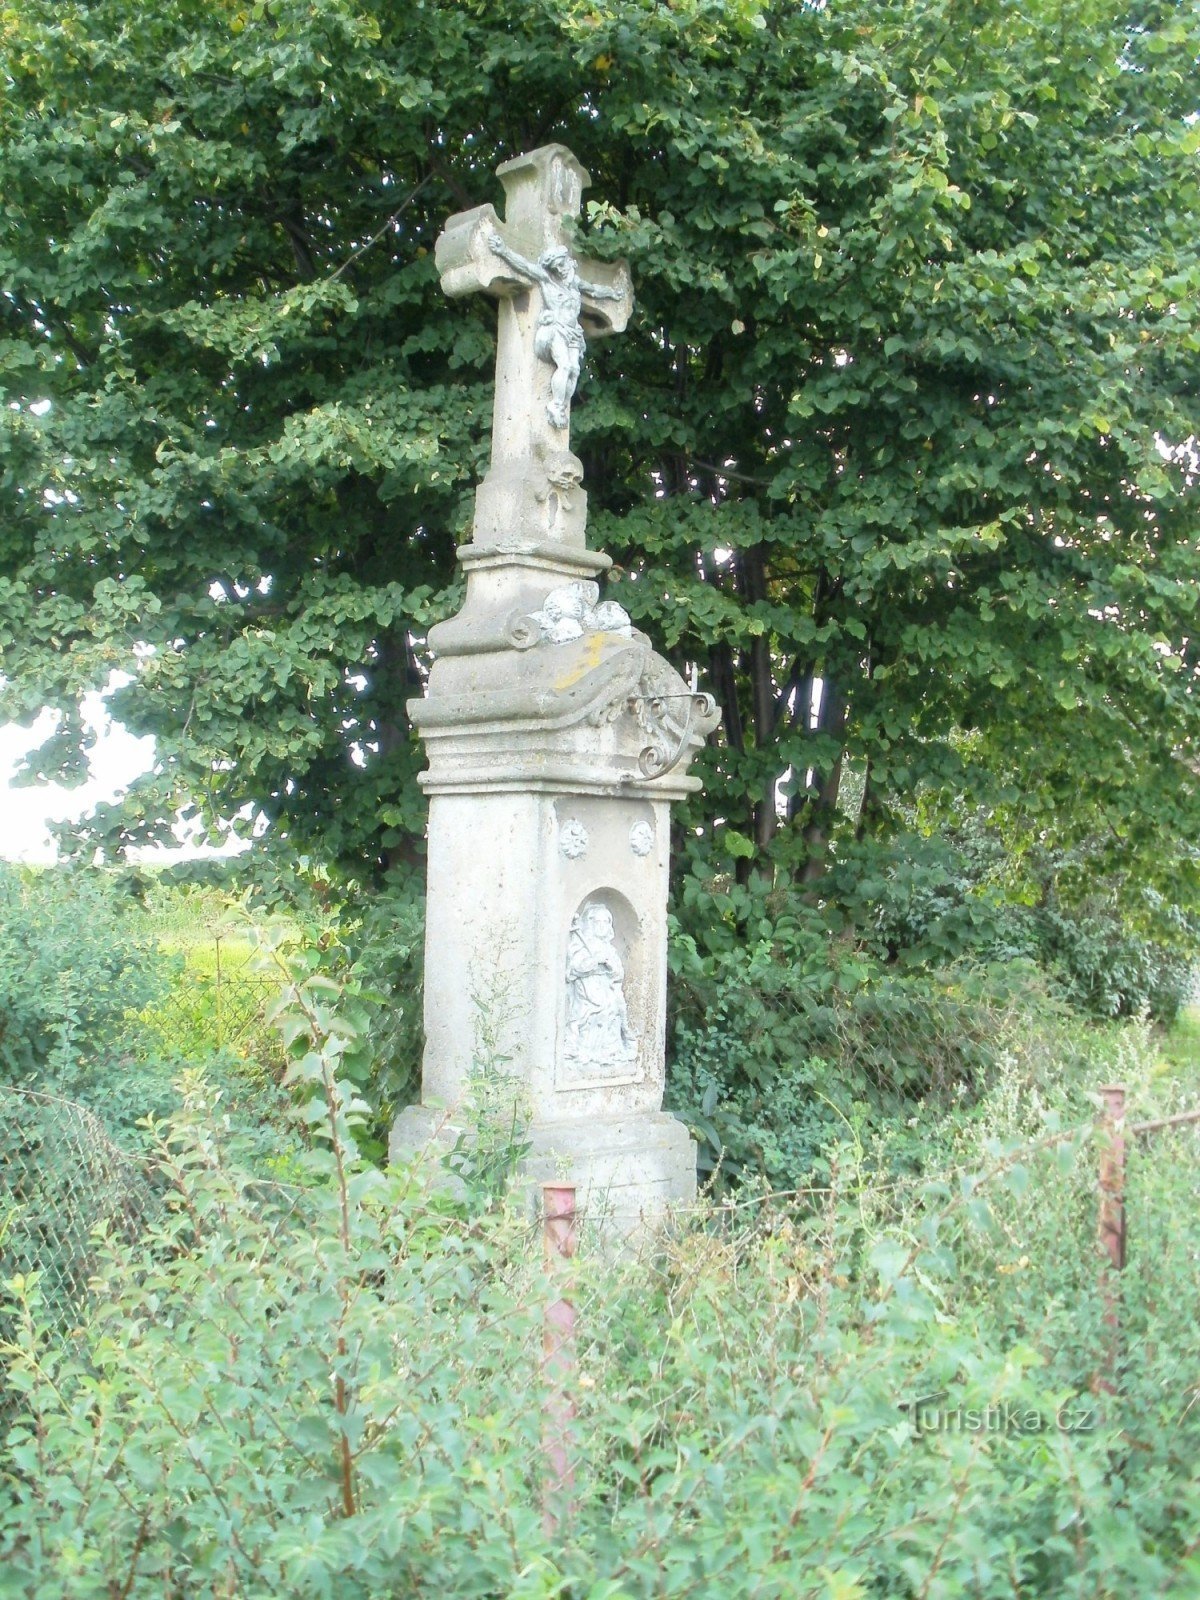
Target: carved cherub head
[568,601]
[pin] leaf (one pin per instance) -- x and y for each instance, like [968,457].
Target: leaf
[889,1257]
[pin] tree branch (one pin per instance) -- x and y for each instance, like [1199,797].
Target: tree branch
[731,472]
[375,237]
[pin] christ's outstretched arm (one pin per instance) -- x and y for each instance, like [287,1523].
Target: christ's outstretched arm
[600,291]
[528,269]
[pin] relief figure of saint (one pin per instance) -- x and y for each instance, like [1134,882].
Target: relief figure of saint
[598,1035]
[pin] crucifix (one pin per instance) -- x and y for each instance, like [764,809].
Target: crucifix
[550,302]
[557,740]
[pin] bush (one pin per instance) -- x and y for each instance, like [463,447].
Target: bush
[104,1002]
[378,950]
[336,1390]
[75,958]
[219,997]
[1108,969]
[783,1039]
[61,1177]
[1109,947]
[369,943]
[888,991]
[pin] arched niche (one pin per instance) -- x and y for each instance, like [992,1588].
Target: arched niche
[604,1014]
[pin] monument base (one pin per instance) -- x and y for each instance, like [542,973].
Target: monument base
[628,1171]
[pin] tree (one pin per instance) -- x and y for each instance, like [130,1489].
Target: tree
[897,449]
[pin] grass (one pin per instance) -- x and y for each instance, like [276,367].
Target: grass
[219,997]
[1181,1046]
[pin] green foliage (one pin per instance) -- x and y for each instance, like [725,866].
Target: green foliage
[218,1001]
[105,1003]
[73,962]
[368,947]
[1111,947]
[893,989]
[794,1024]
[337,1389]
[309,1340]
[378,946]
[1109,969]
[914,349]
[1181,1047]
[61,1178]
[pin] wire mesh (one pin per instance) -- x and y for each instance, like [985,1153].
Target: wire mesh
[223,997]
[61,1174]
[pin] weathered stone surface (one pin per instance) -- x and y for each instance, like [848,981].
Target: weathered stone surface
[533,488]
[556,738]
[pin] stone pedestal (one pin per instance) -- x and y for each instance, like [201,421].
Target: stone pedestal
[544,806]
[557,739]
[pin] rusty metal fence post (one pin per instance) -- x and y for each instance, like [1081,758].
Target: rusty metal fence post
[558,1360]
[1112,1176]
[1111,1226]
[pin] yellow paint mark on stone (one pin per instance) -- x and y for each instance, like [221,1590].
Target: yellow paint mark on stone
[587,661]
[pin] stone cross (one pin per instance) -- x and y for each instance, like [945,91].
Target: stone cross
[550,300]
[557,740]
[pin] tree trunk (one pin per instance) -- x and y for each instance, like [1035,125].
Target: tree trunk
[822,807]
[752,570]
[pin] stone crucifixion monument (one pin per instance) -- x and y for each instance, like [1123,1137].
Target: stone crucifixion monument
[557,740]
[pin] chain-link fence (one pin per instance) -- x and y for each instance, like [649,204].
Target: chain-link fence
[60,1175]
[225,995]
[222,994]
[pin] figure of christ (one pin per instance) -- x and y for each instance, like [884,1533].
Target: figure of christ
[598,1034]
[558,336]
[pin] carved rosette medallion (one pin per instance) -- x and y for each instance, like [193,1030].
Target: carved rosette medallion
[573,840]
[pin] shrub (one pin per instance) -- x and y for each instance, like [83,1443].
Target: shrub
[378,951]
[104,1002]
[74,960]
[336,1390]
[1109,946]
[60,1177]
[1108,969]
[784,1042]
[888,990]
[219,997]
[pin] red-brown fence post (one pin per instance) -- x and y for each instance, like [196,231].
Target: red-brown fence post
[558,1359]
[1111,1230]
